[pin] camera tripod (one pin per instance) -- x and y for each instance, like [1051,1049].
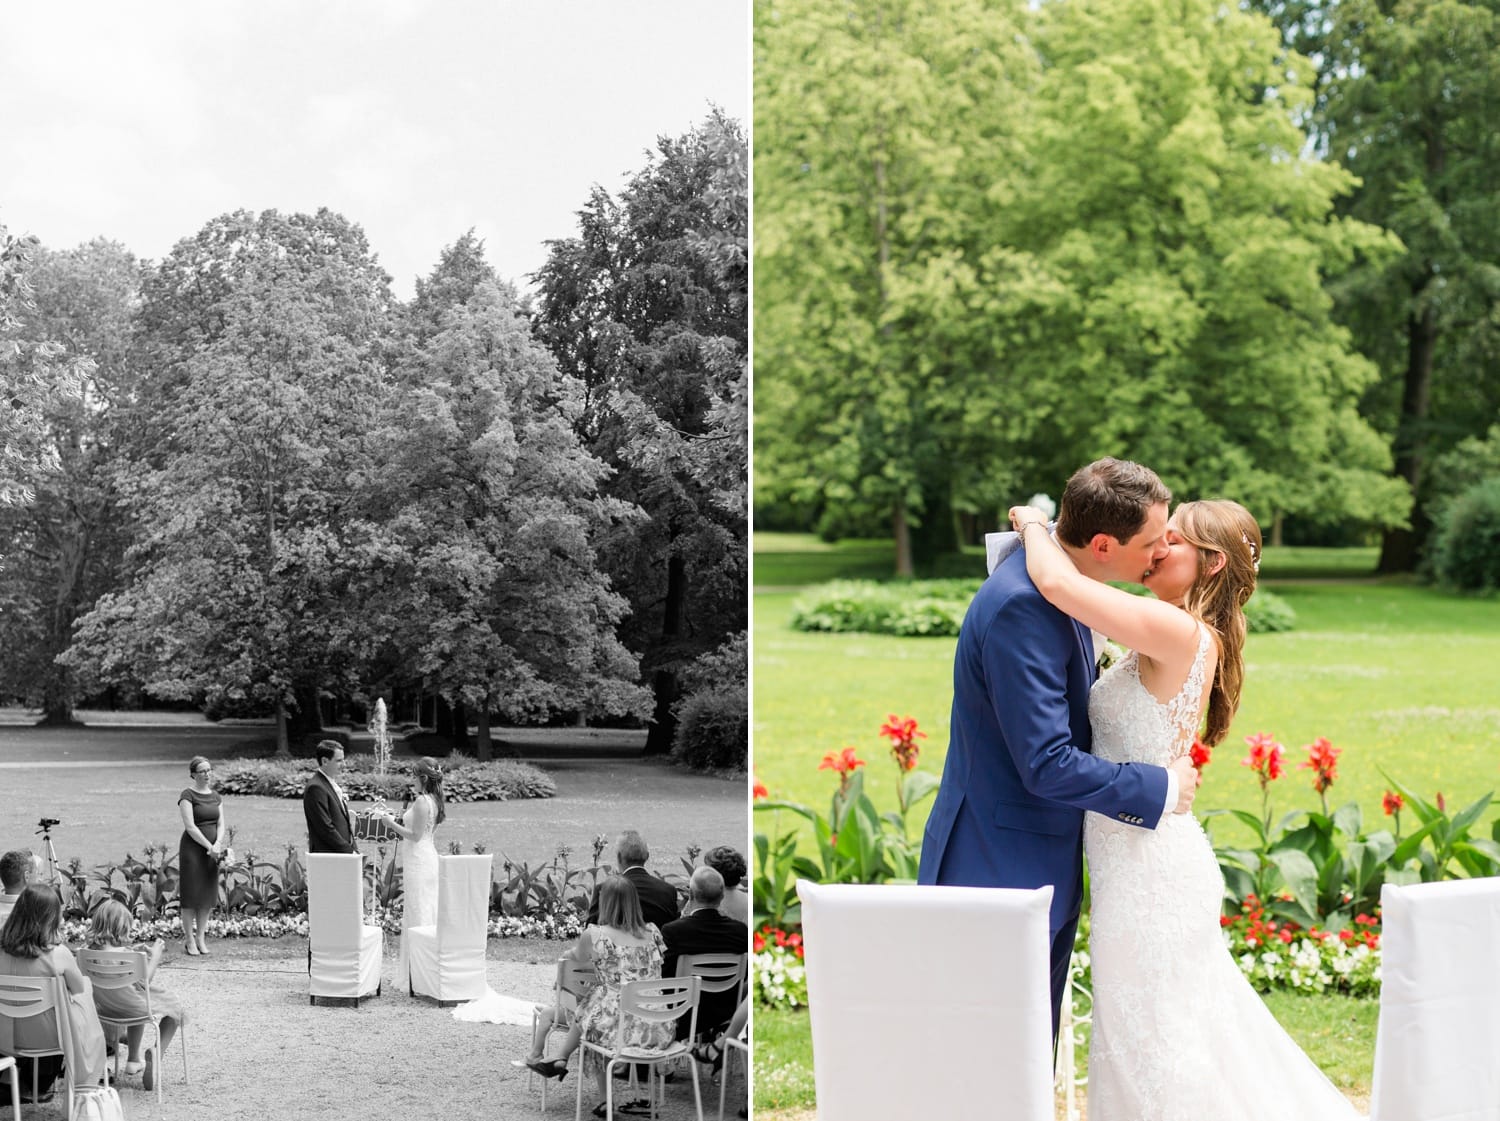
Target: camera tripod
[48,851]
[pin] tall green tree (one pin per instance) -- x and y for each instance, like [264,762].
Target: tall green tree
[35,373]
[887,145]
[1412,89]
[484,573]
[1127,257]
[64,548]
[255,432]
[648,308]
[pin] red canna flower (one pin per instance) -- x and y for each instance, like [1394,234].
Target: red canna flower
[1322,758]
[759,791]
[842,762]
[1264,758]
[1392,803]
[1201,754]
[903,734]
[1441,805]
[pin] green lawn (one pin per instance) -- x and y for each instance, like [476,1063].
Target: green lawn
[1338,1033]
[1398,676]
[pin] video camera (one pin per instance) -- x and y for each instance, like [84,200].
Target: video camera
[47,823]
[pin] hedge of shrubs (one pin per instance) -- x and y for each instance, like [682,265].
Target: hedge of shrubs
[464,779]
[1465,551]
[935,608]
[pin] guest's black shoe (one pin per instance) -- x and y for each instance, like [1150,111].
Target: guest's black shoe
[548,1068]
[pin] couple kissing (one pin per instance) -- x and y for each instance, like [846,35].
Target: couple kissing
[1050,761]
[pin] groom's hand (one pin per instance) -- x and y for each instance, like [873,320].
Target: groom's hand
[1187,782]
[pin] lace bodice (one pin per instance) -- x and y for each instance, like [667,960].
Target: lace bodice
[1132,726]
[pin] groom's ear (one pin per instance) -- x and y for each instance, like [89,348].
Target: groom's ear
[1101,546]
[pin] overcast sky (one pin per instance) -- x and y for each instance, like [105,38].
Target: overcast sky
[417,119]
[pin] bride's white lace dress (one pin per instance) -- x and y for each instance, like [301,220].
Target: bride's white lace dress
[419,877]
[1178,1033]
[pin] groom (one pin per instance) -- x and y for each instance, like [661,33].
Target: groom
[324,805]
[1019,772]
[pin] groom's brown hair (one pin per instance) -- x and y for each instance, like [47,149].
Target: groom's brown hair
[1108,496]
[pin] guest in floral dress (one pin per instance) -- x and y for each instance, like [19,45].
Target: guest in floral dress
[623,947]
[110,930]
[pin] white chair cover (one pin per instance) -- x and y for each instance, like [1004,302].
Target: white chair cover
[928,1001]
[345,954]
[1437,1050]
[447,960]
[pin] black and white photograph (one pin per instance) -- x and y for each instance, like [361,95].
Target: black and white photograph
[374,560]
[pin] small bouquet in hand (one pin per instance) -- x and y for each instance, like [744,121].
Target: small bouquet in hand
[224,857]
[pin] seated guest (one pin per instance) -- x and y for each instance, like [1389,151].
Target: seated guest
[110,930]
[731,865]
[706,930]
[16,871]
[658,898]
[31,946]
[712,1051]
[623,947]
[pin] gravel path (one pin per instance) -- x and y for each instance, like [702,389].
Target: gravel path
[257,1049]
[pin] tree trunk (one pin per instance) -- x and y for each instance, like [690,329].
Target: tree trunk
[1401,548]
[283,741]
[460,727]
[665,685]
[482,734]
[1277,520]
[901,530]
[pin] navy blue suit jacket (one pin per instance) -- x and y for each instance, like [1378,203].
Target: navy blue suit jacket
[1019,772]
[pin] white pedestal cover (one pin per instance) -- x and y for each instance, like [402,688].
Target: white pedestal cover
[447,960]
[345,953]
[1437,1050]
[928,1001]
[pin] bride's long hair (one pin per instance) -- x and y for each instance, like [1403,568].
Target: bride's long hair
[430,781]
[1218,526]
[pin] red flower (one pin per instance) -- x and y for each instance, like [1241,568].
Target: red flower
[1322,757]
[1441,805]
[759,791]
[1264,758]
[903,734]
[1392,803]
[1201,754]
[758,942]
[843,762]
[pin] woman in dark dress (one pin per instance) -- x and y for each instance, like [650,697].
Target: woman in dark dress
[198,854]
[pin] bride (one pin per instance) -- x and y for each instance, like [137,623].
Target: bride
[1178,1033]
[419,858]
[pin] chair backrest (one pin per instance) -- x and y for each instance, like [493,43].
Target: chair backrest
[658,1000]
[1439,1028]
[24,997]
[464,901]
[575,977]
[335,899]
[966,974]
[116,969]
[716,973]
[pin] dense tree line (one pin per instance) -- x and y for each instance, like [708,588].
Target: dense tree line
[255,480]
[1253,248]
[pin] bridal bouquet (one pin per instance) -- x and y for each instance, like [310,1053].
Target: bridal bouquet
[224,857]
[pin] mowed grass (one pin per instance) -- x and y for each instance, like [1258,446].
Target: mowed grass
[1400,677]
[1337,1033]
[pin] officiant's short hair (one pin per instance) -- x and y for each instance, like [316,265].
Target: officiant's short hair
[326,749]
[1108,496]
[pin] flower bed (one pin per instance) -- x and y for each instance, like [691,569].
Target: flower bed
[464,779]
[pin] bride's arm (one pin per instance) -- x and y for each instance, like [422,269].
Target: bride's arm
[419,815]
[1153,628]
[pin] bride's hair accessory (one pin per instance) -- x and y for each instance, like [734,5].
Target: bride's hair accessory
[1254,552]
